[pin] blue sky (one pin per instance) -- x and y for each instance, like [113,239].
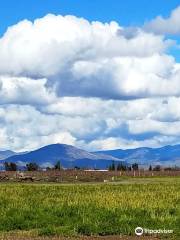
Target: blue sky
[125,12]
[94,85]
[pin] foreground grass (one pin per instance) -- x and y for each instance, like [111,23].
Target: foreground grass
[98,209]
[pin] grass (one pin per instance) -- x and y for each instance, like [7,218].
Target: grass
[91,209]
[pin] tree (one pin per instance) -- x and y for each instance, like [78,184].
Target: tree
[150,168]
[77,168]
[121,167]
[58,165]
[48,169]
[112,167]
[157,168]
[32,166]
[135,166]
[10,166]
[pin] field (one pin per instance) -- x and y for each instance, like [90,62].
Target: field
[78,176]
[99,209]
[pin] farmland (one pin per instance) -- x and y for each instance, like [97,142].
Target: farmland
[79,176]
[104,209]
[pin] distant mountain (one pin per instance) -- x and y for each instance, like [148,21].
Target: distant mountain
[6,154]
[167,156]
[69,157]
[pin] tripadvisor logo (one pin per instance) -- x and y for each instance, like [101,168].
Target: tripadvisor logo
[139,231]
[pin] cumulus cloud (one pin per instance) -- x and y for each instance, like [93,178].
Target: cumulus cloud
[25,128]
[120,143]
[79,58]
[89,84]
[21,90]
[170,25]
[123,78]
[51,43]
[93,124]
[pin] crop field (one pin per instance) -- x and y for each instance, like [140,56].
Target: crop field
[98,209]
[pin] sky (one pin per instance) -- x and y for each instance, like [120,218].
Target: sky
[94,74]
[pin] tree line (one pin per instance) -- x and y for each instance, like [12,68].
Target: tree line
[32,166]
[135,167]
[122,167]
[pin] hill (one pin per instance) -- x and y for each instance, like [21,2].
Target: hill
[68,155]
[166,156]
[6,154]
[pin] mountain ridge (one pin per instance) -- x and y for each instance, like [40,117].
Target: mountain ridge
[166,155]
[6,153]
[68,155]
[71,156]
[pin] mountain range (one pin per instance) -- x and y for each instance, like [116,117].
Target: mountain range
[70,157]
[6,154]
[165,156]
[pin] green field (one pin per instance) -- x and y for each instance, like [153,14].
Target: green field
[91,209]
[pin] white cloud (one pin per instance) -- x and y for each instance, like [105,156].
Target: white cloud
[126,77]
[80,58]
[92,123]
[93,85]
[25,128]
[21,90]
[170,25]
[120,143]
[149,125]
[51,43]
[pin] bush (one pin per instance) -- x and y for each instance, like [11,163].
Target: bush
[157,168]
[10,166]
[32,166]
